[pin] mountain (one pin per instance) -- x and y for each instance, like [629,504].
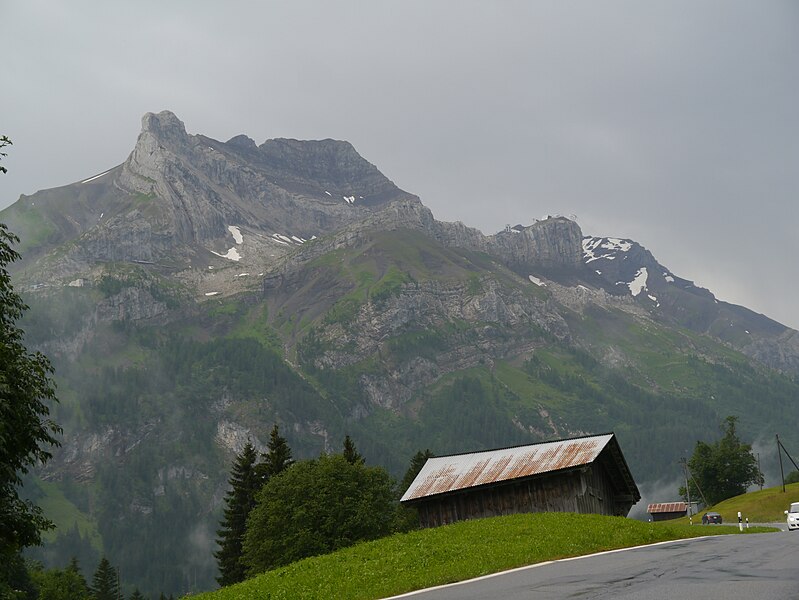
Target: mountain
[203,290]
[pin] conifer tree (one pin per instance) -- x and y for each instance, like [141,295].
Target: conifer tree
[277,458]
[136,595]
[351,454]
[105,583]
[74,567]
[408,517]
[417,462]
[240,500]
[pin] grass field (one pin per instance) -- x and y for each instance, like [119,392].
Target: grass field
[411,561]
[762,506]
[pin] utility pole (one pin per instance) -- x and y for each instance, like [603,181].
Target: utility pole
[779,453]
[780,449]
[687,489]
[759,471]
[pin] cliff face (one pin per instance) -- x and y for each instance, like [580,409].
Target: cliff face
[220,218]
[301,188]
[552,243]
[177,196]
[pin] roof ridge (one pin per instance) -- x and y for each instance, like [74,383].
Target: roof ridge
[579,437]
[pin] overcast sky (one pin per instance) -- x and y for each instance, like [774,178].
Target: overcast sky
[673,123]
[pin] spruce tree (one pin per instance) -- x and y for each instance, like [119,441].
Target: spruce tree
[351,454]
[240,500]
[278,457]
[136,595]
[74,567]
[417,462]
[408,517]
[105,583]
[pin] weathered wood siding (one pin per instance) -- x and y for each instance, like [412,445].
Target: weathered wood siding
[584,490]
[668,516]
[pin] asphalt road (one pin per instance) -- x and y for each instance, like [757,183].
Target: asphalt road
[729,567]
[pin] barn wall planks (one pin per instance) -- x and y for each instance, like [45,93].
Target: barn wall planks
[583,490]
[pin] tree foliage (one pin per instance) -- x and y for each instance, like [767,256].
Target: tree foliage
[60,584]
[315,507]
[417,462]
[105,582]
[246,480]
[351,454]
[239,501]
[4,141]
[277,458]
[408,516]
[723,469]
[26,431]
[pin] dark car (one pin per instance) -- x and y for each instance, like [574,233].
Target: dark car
[714,517]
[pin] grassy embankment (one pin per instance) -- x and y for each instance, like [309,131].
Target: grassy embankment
[762,506]
[411,561]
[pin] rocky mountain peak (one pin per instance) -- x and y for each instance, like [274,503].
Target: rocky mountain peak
[332,163]
[164,126]
[242,142]
[554,242]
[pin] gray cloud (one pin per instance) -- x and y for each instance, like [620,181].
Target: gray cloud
[673,123]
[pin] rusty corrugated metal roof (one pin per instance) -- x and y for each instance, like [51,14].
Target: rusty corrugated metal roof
[667,507]
[451,473]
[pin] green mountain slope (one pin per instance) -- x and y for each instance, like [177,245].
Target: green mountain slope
[415,346]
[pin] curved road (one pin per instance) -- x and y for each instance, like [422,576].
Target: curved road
[728,567]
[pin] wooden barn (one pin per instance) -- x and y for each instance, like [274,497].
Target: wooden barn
[583,475]
[664,511]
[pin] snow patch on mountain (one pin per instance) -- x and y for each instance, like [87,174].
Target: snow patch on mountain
[288,240]
[536,280]
[236,233]
[231,254]
[96,176]
[638,284]
[593,245]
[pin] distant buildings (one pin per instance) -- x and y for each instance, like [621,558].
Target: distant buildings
[583,475]
[663,511]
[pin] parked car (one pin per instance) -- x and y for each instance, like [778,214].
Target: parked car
[714,517]
[792,516]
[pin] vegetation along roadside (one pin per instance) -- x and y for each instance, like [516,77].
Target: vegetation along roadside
[424,558]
